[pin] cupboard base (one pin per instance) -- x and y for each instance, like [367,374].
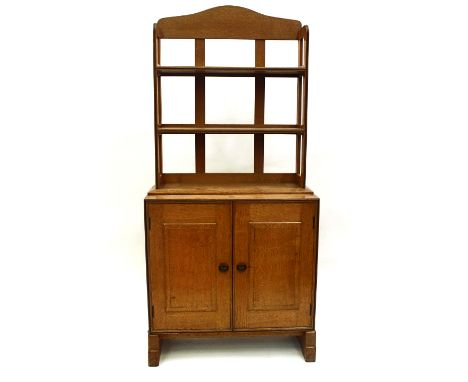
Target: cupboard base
[154,349]
[306,340]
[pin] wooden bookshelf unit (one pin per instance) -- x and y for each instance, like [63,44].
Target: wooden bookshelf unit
[231,254]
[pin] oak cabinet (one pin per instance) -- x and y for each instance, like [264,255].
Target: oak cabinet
[216,266]
[231,266]
[231,254]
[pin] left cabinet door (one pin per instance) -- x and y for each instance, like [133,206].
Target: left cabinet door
[189,264]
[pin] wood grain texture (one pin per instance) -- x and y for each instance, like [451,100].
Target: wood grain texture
[246,197]
[254,189]
[316,241]
[232,333]
[190,260]
[273,258]
[228,22]
[276,242]
[233,178]
[187,242]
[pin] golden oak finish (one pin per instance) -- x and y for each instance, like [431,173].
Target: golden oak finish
[233,178]
[205,198]
[189,238]
[259,109]
[229,188]
[239,23]
[231,254]
[154,349]
[228,22]
[233,333]
[275,243]
[307,342]
[187,244]
[229,129]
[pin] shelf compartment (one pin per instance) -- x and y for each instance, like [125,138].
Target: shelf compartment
[219,71]
[229,129]
[199,188]
[227,178]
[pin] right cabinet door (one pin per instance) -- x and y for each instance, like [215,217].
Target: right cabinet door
[274,264]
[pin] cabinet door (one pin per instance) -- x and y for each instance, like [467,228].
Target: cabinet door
[274,264]
[189,248]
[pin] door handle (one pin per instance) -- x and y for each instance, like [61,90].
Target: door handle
[223,267]
[241,267]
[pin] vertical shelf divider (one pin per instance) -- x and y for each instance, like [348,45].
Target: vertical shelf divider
[199,106]
[259,117]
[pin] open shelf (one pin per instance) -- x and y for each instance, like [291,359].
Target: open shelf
[229,183]
[219,71]
[229,129]
[216,178]
[247,26]
[216,188]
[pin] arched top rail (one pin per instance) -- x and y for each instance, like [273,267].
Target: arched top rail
[228,22]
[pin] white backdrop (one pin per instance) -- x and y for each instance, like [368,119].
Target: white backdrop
[387,155]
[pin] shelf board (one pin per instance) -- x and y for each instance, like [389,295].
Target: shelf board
[209,179]
[202,188]
[252,197]
[229,129]
[220,71]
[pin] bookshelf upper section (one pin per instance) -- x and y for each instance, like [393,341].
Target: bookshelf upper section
[232,23]
[229,22]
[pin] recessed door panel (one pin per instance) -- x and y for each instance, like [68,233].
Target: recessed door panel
[190,293]
[274,268]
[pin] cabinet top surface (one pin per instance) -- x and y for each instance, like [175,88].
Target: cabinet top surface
[231,192]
